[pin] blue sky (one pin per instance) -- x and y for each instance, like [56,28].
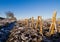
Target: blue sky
[29,8]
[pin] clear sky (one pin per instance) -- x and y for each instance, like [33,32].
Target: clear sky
[29,8]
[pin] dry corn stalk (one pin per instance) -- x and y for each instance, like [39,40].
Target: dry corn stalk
[26,22]
[53,24]
[32,22]
[39,23]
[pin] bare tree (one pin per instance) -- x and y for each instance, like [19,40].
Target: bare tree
[9,14]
